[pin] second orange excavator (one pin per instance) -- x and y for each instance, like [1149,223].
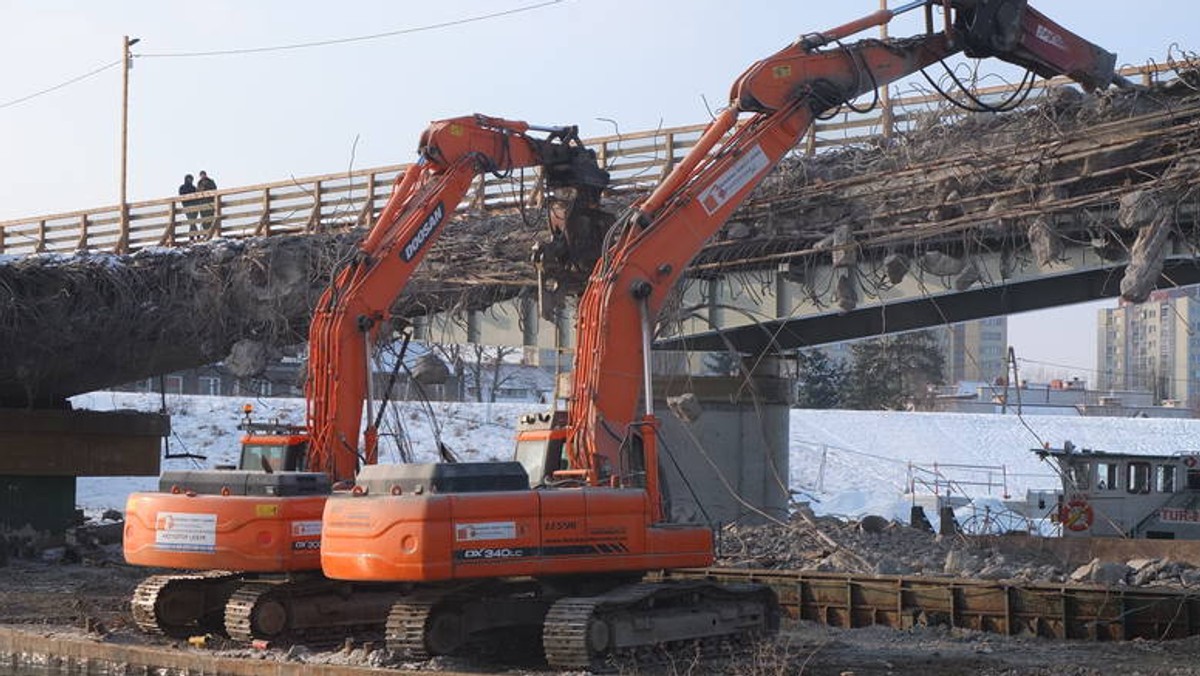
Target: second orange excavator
[252,535]
[557,543]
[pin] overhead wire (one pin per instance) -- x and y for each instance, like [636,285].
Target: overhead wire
[61,85]
[275,48]
[357,38]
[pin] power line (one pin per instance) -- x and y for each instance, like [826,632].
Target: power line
[1061,366]
[359,38]
[60,85]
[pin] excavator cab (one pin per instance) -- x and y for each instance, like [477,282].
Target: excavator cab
[541,445]
[272,446]
[275,452]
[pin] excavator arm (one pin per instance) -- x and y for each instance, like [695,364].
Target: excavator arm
[354,310]
[608,441]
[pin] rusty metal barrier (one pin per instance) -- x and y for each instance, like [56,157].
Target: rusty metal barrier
[1047,610]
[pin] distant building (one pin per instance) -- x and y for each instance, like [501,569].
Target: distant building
[283,378]
[1057,397]
[974,350]
[473,381]
[1153,346]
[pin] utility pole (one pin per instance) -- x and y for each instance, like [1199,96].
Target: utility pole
[126,65]
[885,97]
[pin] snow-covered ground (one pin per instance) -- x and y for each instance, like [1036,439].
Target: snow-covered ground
[850,463]
[867,453]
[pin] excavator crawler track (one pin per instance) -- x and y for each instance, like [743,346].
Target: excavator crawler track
[180,605]
[313,611]
[565,634]
[406,623]
[255,612]
[586,632]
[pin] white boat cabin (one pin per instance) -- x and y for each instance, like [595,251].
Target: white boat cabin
[1109,494]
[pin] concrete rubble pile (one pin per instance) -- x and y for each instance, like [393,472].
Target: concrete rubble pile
[876,546]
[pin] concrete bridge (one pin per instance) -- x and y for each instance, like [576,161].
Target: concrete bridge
[913,215]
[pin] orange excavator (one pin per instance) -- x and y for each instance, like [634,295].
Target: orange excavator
[263,520]
[557,542]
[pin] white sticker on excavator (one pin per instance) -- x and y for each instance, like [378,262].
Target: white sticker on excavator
[305,528]
[491,530]
[184,532]
[734,179]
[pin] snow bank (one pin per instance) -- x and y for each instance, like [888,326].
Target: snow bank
[849,463]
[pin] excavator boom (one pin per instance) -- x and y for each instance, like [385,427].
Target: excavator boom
[553,548]
[354,310]
[782,95]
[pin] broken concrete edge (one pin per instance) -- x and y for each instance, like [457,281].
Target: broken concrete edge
[54,652]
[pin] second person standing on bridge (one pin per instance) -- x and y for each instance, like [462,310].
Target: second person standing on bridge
[204,185]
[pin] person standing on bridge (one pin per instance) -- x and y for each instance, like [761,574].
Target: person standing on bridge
[204,185]
[192,214]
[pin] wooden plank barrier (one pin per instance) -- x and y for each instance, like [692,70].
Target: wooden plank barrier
[636,161]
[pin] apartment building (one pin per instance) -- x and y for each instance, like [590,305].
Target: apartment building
[1153,346]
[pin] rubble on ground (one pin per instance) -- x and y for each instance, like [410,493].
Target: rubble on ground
[832,545]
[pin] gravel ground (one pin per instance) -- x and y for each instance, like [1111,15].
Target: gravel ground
[88,599]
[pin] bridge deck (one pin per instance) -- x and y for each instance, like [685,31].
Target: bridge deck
[1020,187]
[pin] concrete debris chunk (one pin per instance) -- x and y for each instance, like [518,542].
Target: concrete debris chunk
[942,265]
[738,230]
[896,266]
[1146,261]
[968,277]
[1046,244]
[686,407]
[248,358]
[845,292]
[844,254]
[1138,209]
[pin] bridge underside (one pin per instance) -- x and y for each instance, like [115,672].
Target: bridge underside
[1072,199]
[930,310]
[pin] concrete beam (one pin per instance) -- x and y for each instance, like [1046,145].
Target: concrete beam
[758,328]
[62,443]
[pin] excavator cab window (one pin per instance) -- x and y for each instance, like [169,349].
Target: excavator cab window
[274,454]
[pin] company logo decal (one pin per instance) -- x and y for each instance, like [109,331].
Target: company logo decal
[422,235]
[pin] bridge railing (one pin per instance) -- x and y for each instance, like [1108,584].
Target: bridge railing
[637,161]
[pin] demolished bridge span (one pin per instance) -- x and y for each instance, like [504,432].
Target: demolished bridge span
[1118,171]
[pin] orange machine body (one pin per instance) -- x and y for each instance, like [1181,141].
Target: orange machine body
[234,532]
[426,538]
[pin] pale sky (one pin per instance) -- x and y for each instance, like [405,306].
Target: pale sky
[265,116]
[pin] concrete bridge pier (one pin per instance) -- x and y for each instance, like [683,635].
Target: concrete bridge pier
[42,452]
[731,463]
